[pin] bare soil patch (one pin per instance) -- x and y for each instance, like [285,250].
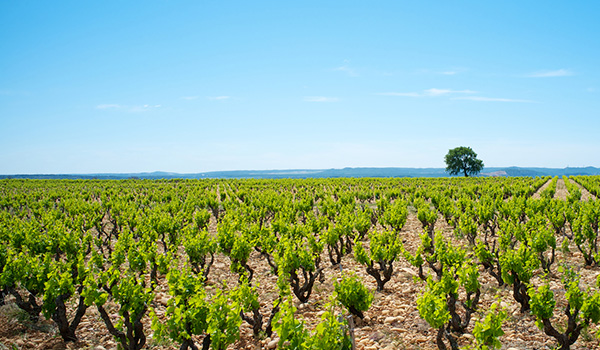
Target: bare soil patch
[537,193]
[561,190]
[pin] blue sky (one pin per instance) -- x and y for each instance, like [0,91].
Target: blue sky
[194,86]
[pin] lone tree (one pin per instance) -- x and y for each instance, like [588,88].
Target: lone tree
[463,160]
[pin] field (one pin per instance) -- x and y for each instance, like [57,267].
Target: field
[169,264]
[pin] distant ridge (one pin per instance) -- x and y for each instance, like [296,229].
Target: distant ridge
[315,173]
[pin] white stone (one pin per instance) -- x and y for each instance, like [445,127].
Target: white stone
[389,320]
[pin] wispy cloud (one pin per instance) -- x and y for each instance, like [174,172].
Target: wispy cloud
[345,67]
[433,92]
[143,108]
[320,99]
[135,109]
[219,98]
[454,95]
[441,92]
[551,73]
[491,99]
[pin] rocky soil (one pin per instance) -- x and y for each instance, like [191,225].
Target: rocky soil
[392,322]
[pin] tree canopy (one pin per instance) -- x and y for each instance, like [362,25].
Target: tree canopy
[463,160]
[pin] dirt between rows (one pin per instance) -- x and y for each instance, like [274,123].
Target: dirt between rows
[562,192]
[392,322]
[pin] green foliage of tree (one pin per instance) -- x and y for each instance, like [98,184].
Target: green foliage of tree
[247,295]
[384,248]
[583,308]
[334,238]
[585,229]
[463,160]
[489,257]
[467,227]
[235,243]
[362,222]
[298,261]
[200,248]
[518,266]
[439,305]
[433,308]
[487,332]
[64,281]
[291,331]
[133,300]
[224,321]
[395,215]
[353,294]
[330,334]
[427,217]
[187,310]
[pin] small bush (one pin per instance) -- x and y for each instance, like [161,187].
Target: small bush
[353,295]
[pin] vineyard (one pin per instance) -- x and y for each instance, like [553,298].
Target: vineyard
[438,263]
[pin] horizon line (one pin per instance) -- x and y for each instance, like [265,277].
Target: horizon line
[282,170]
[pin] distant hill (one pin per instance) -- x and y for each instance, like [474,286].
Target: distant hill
[315,173]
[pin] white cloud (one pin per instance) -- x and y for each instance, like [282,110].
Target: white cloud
[433,92]
[143,108]
[219,98]
[440,92]
[551,73]
[347,69]
[491,99]
[320,99]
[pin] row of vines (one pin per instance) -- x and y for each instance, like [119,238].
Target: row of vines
[141,255]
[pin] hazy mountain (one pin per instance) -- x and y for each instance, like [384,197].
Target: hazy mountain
[316,173]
